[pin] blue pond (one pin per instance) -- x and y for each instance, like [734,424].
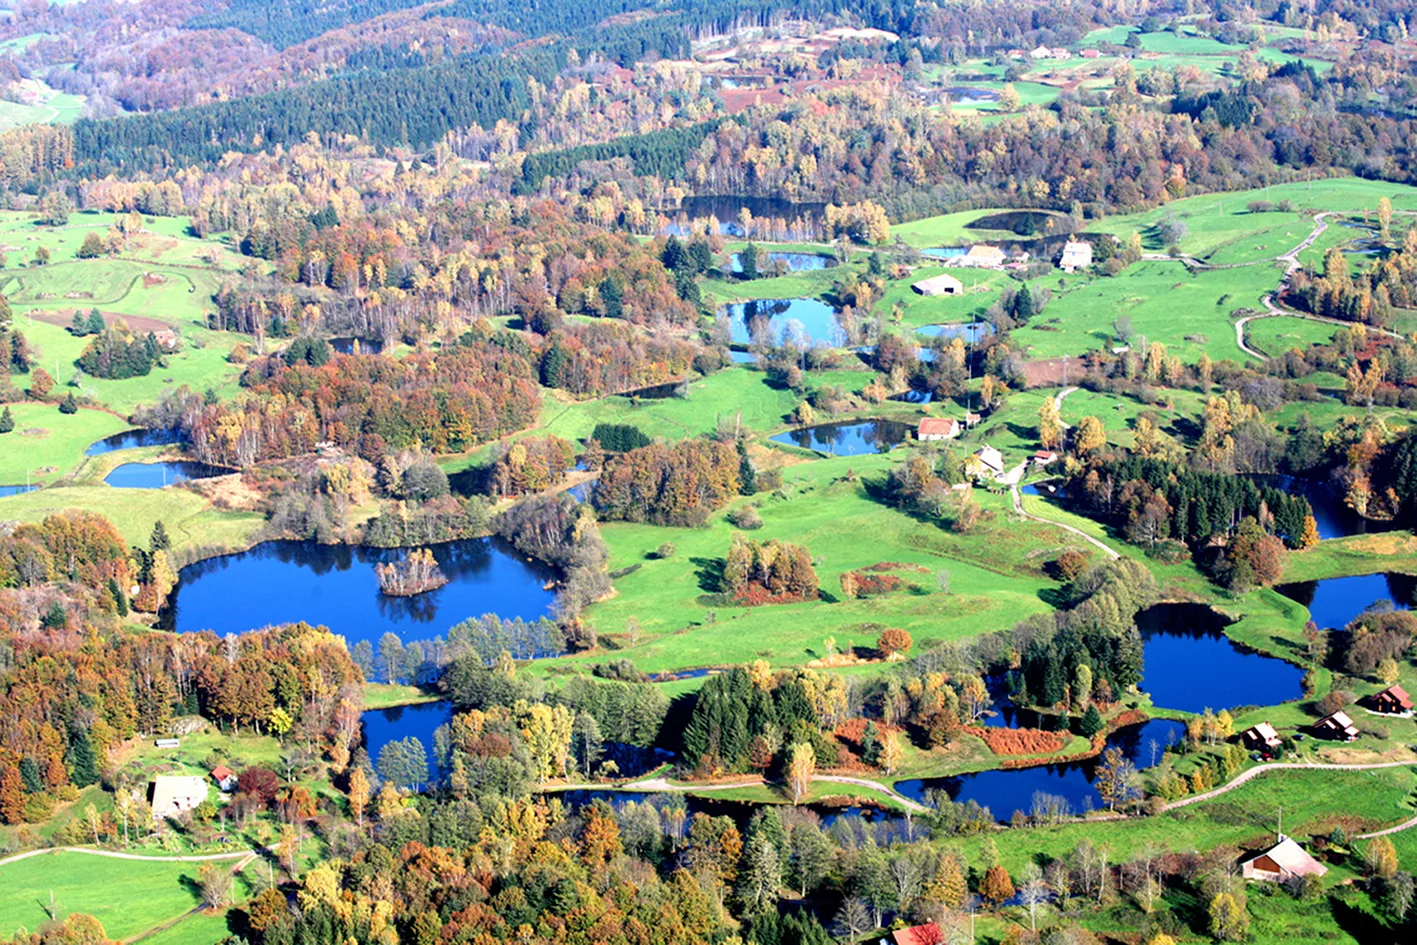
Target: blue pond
[16,490]
[767,320]
[1190,664]
[1333,602]
[848,439]
[334,585]
[1004,792]
[382,726]
[158,475]
[795,262]
[129,439]
[971,332]
[945,252]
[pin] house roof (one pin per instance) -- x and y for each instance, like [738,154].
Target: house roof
[982,251]
[178,790]
[990,457]
[927,934]
[222,772]
[1339,718]
[1397,693]
[944,281]
[1264,730]
[937,426]
[1292,858]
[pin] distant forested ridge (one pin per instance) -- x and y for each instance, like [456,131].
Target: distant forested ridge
[412,106]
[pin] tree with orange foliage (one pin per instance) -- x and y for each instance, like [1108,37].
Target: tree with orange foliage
[894,640]
[997,886]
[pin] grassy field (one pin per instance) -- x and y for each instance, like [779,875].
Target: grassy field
[995,575]
[190,519]
[40,104]
[46,444]
[1274,336]
[127,896]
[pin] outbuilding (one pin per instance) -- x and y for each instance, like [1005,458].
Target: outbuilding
[943,284]
[937,428]
[1285,860]
[173,794]
[1338,726]
[1077,254]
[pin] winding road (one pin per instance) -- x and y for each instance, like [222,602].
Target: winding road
[1018,507]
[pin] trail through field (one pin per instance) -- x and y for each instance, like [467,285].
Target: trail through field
[1018,507]
[119,855]
[1294,766]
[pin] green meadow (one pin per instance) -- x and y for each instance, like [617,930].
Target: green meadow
[46,444]
[128,896]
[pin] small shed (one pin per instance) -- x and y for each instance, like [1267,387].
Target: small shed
[167,743]
[1285,860]
[938,428]
[1260,737]
[1077,254]
[1393,700]
[943,284]
[1338,726]
[1044,457]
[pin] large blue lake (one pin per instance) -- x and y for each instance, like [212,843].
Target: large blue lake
[285,581]
[1191,664]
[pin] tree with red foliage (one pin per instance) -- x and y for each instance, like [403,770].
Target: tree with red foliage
[262,783]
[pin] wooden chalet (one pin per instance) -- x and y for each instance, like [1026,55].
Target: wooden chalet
[1337,726]
[1261,737]
[1393,700]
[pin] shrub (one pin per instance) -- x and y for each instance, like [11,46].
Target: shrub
[619,437]
[746,517]
[665,550]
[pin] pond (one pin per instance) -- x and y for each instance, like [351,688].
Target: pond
[334,585]
[1334,602]
[856,438]
[366,345]
[382,726]
[913,397]
[1190,664]
[971,332]
[969,94]
[945,252]
[795,262]
[1333,516]
[131,439]
[726,210]
[1004,792]
[769,320]
[158,475]
[16,490]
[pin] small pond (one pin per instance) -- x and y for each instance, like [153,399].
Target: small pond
[131,439]
[1004,792]
[971,332]
[1334,602]
[913,397]
[158,475]
[726,208]
[969,94]
[1333,516]
[868,352]
[945,252]
[366,345]
[854,438]
[16,490]
[1190,663]
[795,262]
[770,320]
[581,491]
[382,726]
[334,585]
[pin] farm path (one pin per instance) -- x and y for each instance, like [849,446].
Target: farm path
[1245,776]
[1018,507]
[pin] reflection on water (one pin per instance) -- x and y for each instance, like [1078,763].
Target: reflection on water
[795,262]
[129,439]
[382,726]
[1004,792]
[1191,664]
[16,490]
[848,439]
[1334,602]
[771,321]
[285,581]
[158,475]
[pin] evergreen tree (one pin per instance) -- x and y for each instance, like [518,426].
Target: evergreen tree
[159,540]
[1091,722]
[613,298]
[95,324]
[747,474]
[748,262]
[7,421]
[80,326]
[83,767]
[69,405]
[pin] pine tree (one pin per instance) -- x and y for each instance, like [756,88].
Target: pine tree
[95,324]
[69,405]
[747,474]
[80,760]
[1091,722]
[159,540]
[7,421]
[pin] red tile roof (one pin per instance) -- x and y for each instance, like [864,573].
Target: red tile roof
[928,934]
[222,772]
[937,426]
